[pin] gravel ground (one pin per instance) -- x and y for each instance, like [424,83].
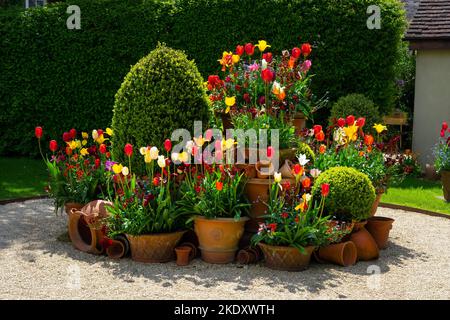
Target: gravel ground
[35,265]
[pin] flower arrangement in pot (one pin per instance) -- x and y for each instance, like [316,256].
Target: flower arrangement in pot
[293,228]
[442,160]
[215,197]
[146,210]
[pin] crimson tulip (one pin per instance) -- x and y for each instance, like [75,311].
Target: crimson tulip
[100,132]
[267,75]
[53,145]
[239,50]
[128,150]
[325,189]
[317,128]
[268,57]
[320,136]
[269,152]
[168,145]
[444,126]
[38,132]
[360,122]
[249,49]
[66,137]
[296,52]
[102,148]
[341,122]
[306,49]
[73,133]
[246,98]
[350,120]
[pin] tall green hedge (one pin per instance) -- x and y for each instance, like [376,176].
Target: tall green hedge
[62,78]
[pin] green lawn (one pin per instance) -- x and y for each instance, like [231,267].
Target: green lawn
[21,178]
[418,193]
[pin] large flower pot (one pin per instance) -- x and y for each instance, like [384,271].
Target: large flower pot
[375,204]
[219,238]
[286,258]
[445,178]
[154,248]
[379,228]
[365,244]
[343,254]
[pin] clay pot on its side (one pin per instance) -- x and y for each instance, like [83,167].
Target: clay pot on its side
[365,244]
[154,248]
[249,255]
[116,250]
[343,254]
[375,204]
[68,206]
[219,238]
[379,228]
[445,178]
[183,254]
[286,258]
[194,251]
[83,237]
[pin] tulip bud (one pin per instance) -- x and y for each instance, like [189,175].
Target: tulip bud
[53,145]
[350,120]
[73,133]
[168,145]
[277,177]
[249,49]
[360,122]
[296,52]
[341,122]
[325,189]
[128,150]
[38,132]
[154,153]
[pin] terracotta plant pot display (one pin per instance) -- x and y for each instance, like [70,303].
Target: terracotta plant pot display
[154,248]
[376,203]
[445,178]
[286,170]
[379,228]
[72,205]
[264,169]
[219,238]
[343,254]
[83,238]
[286,258]
[365,244]
[194,251]
[119,248]
[183,255]
[249,255]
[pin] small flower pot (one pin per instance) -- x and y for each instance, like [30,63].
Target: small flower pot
[183,253]
[264,169]
[83,237]
[366,245]
[379,228]
[116,250]
[445,178]
[154,248]
[194,251]
[286,170]
[219,238]
[248,255]
[343,254]
[286,258]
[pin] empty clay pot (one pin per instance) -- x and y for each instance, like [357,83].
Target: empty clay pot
[286,258]
[249,255]
[194,252]
[379,228]
[264,169]
[286,170]
[83,237]
[219,238]
[116,250]
[343,254]
[365,244]
[183,254]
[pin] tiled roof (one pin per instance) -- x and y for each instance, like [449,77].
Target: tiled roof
[431,21]
[411,8]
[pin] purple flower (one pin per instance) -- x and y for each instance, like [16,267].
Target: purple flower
[306,65]
[253,67]
[109,164]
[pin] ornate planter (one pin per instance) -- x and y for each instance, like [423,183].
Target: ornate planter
[286,258]
[379,228]
[219,238]
[68,206]
[154,248]
[365,244]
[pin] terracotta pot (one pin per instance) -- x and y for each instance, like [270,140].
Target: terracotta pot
[287,154]
[154,248]
[248,169]
[375,204]
[365,244]
[183,254]
[299,122]
[219,238]
[286,258]
[116,250]
[286,170]
[445,178]
[194,251]
[68,206]
[83,237]
[249,255]
[379,228]
[343,254]
[264,169]
[226,120]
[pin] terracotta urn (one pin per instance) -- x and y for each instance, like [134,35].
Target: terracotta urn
[343,254]
[154,248]
[286,170]
[219,238]
[379,228]
[183,255]
[286,258]
[365,244]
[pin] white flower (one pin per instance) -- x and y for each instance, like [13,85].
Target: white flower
[263,64]
[154,152]
[94,134]
[308,197]
[175,156]
[142,150]
[189,146]
[302,160]
[161,161]
[315,172]
[277,177]
[339,136]
[125,171]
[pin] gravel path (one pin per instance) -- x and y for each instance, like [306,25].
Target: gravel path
[35,265]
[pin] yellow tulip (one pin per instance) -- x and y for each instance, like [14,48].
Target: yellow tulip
[85,135]
[227,144]
[142,150]
[262,45]
[100,139]
[379,128]
[84,142]
[199,141]
[236,58]
[84,152]
[183,157]
[72,145]
[161,161]
[147,158]
[230,101]
[117,168]
[78,144]
[109,131]
[351,132]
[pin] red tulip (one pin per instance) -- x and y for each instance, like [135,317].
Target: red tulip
[246,98]
[270,152]
[168,145]
[100,132]
[317,128]
[306,183]
[360,122]
[286,185]
[296,52]
[297,169]
[66,137]
[341,122]
[128,150]
[219,186]
[68,151]
[102,148]
[249,49]
[350,120]
[97,163]
[53,145]
[320,136]
[442,133]
[306,49]
[239,50]
[267,56]
[38,132]
[325,189]
[155,181]
[444,126]
[267,75]
[73,133]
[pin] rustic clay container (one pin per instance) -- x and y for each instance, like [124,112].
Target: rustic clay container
[365,244]
[379,228]
[343,254]
[286,258]
[183,253]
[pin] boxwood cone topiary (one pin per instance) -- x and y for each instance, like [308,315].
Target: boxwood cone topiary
[162,92]
[357,105]
[351,193]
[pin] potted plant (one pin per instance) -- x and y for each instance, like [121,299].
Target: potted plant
[292,230]
[215,199]
[442,161]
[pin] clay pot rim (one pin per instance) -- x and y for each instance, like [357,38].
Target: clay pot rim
[220,219]
[311,247]
[152,235]
[380,219]
[183,249]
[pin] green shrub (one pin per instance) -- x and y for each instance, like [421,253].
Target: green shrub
[351,193]
[357,105]
[62,78]
[162,92]
[303,148]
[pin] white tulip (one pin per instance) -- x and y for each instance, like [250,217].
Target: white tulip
[161,161]
[277,177]
[302,160]
[125,171]
[154,153]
